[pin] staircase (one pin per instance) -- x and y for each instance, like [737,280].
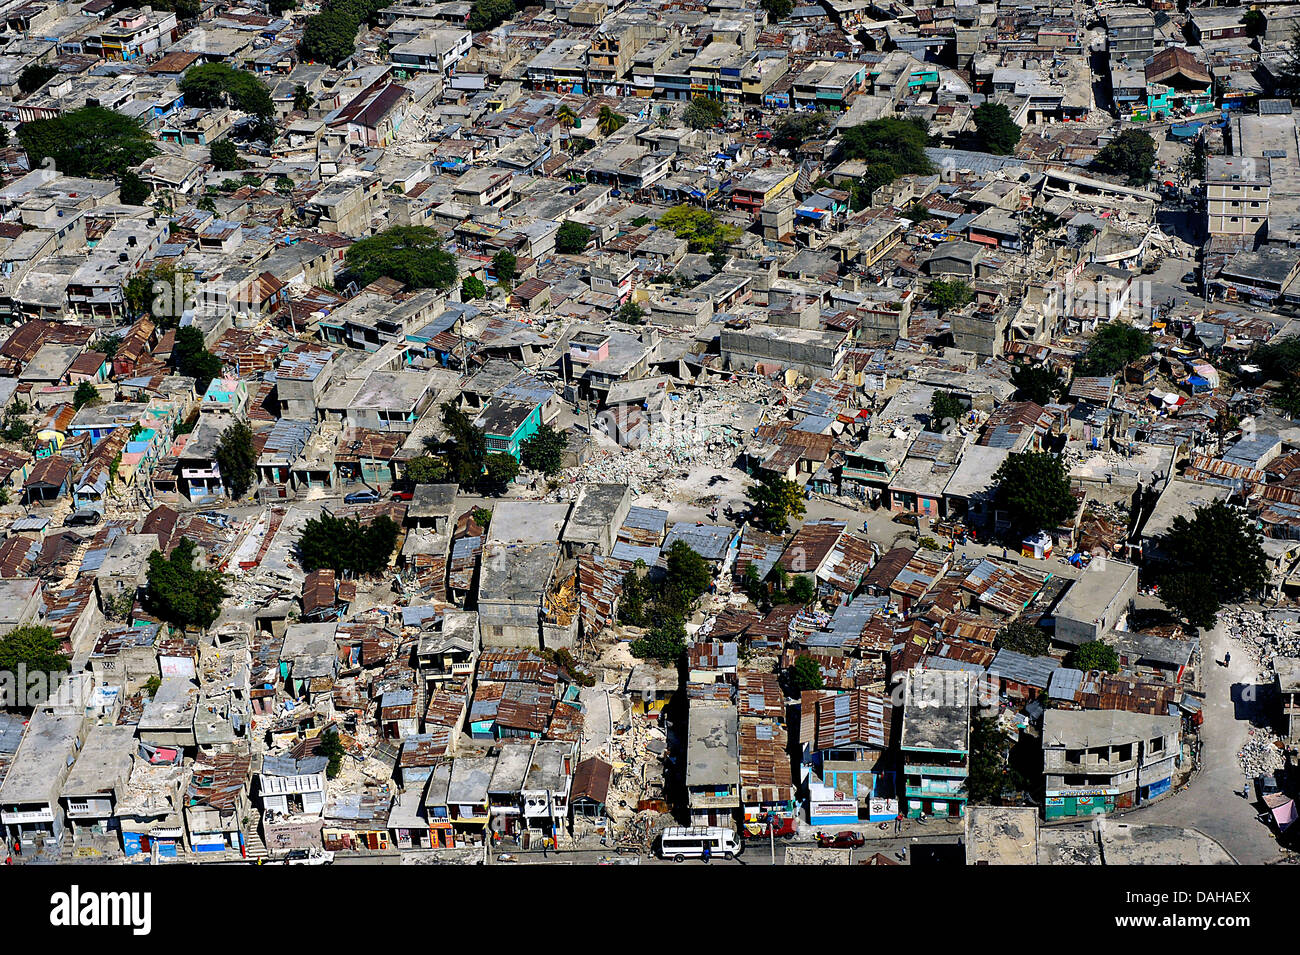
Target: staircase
[253,844]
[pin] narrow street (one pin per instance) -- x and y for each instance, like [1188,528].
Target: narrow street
[1212,801]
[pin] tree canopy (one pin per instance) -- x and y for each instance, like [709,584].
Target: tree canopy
[472,288]
[610,122]
[1209,560]
[224,156]
[544,450]
[34,76]
[86,394]
[775,500]
[700,228]
[426,469]
[947,295]
[946,409]
[489,14]
[347,545]
[237,459]
[34,648]
[1034,489]
[181,594]
[504,264]
[330,36]
[193,360]
[134,190]
[498,471]
[1022,637]
[90,141]
[1113,346]
[1132,154]
[1280,360]
[465,448]
[703,113]
[995,131]
[805,675]
[1093,655]
[891,148]
[572,238]
[1035,383]
[411,254]
[777,10]
[210,85]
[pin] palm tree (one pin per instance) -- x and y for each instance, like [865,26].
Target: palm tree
[302,99]
[609,121]
[565,114]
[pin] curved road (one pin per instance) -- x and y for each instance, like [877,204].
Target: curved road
[1212,801]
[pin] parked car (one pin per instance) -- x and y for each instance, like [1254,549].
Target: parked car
[763,134]
[403,495]
[841,840]
[85,517]
[362,497]
[1190,278]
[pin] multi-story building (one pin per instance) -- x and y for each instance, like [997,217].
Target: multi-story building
[1097,761]
[935,744]
[1237,190]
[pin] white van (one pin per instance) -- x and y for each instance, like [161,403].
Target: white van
[681,842]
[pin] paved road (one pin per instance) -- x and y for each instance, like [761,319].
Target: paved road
[1212,801]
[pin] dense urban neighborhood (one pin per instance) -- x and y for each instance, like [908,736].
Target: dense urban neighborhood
[649,432]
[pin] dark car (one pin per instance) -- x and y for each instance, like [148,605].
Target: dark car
[841,840]
[1190,278]
[83,518]
[362,497]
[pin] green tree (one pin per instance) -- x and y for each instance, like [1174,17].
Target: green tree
[34,76]
[330,746]
[413,255]
[1034,489]
[152,686]
[90,141]
[499,471]
[947,295]
[134,190]
[631,313]
[544,450]
[566,115]
[995,131]
[489,14]
[775,500]
[572,238]
[986,779]
[192,359]
[472,288]
[666,642]
[34,648]
[426,469]
[898,144]
[329,37]
[609,122]
[686,571]
[107,346]
[1254,22]
[777,10]
[701,229]
[791,132]
[1214,554]
[236,459]
[504,264]
[482,516]
[1093,655]
[703,113]
[178,592]
[86,394]
[213,85]
[1114,345]
[224,157]
[945,409]
[281,7]
[302,98]
[801,591]
[1132,154]
[465,448]
[806,675]
[1022,637]
[347,545]
[1035,383]
[1280,361]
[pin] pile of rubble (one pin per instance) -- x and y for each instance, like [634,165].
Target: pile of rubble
[1262,754]
[1261,638]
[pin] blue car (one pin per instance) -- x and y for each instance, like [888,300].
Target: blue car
[362,497]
